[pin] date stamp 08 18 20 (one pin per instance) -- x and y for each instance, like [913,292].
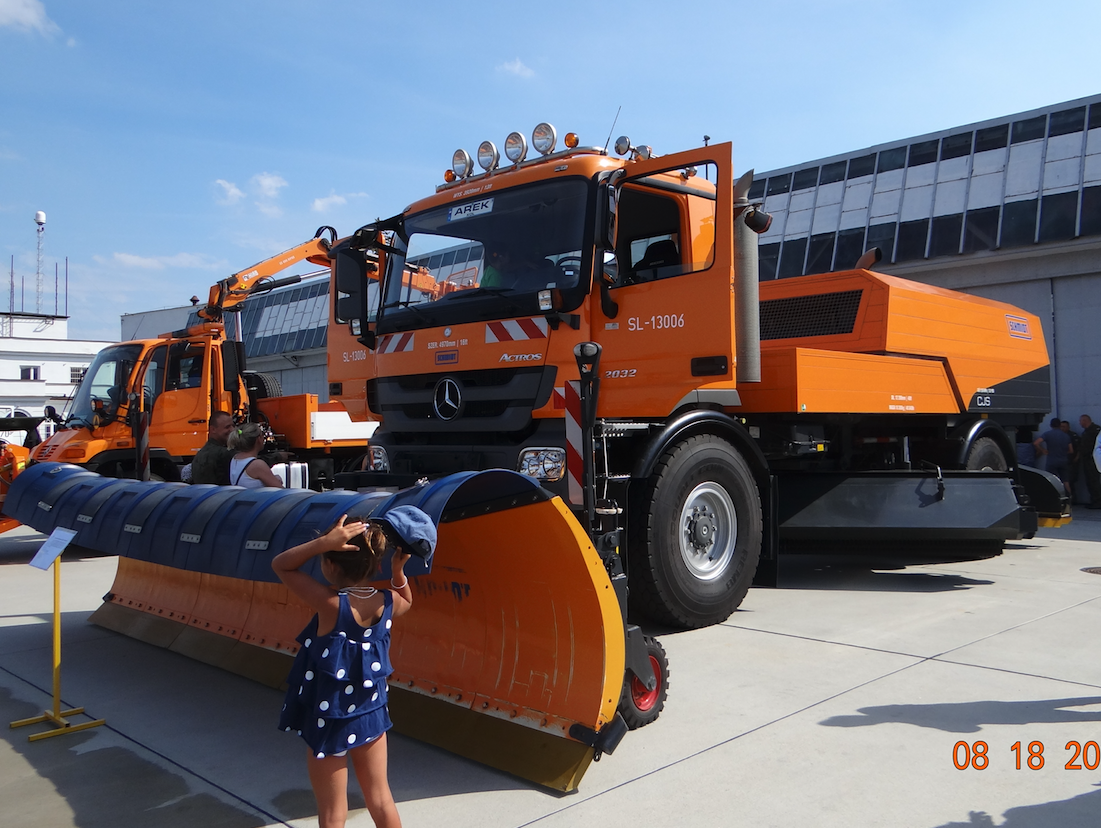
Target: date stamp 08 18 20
[976,755]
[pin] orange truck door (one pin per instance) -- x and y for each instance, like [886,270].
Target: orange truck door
[177,393]
[672,272]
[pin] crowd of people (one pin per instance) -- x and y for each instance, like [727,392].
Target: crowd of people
[1068,455]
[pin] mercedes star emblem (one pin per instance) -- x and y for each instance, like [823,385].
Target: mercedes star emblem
[446,399]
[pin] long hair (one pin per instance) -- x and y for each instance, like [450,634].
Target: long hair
[364,562]
[244,437]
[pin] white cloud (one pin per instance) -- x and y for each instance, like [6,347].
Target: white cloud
[516,67]
[269,184]
[194,261]
[320,205]
[27,15]
[233,193]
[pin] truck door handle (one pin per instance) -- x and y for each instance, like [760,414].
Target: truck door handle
[196,421]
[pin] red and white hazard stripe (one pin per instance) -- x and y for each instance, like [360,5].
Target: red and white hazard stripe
[570,399]
[516,330]
[395,343]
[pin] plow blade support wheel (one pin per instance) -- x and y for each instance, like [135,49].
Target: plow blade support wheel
[514,638]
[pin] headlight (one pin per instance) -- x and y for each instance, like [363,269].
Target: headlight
[488,156]
[377,459]
[543,138]
[516,147]
[461,163]
[543,463]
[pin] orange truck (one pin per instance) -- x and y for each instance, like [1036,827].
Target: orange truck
[600,327]
[175,381]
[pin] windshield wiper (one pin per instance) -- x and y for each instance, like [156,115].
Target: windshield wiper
[501,293]
[409,304]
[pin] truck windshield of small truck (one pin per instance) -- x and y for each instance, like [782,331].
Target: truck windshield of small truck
[489,255]
[105,384]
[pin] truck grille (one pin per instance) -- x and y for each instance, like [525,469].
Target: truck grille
[823,314]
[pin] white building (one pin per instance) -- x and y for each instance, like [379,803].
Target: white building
[39,364]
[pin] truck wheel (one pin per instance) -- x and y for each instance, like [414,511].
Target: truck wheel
[698,540]
[986,455]
[261,386]
[640,706]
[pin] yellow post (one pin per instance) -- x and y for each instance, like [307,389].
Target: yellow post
[57,716]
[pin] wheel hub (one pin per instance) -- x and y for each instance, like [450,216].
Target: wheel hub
[708,531]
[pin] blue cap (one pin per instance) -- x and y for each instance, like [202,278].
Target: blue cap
[413,527]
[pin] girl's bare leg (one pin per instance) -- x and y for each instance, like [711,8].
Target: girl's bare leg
[329,778]
[369,762]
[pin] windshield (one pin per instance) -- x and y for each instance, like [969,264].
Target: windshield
[489,256]
[105,384]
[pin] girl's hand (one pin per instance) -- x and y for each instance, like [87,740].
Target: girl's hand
[400,559]
[338,537]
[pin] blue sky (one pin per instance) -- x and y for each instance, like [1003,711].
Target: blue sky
[173,144]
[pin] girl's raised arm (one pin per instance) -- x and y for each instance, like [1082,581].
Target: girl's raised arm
[288,565]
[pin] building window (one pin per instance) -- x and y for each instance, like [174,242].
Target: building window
[923,153]
[791,258]
[1019,223]
[757,190]
[767,257]
[833,172]
[955,146]
[980,231]
[1095,116]
[850,247]
[992,138]
[76,373]
[883,237]
[779,184]
[1029,130]
[30,372]
[1067,121]
[892,159]
[1057,216]
[805,179]
[864,165]
[820,256]
[1091,210]
[912,236]
[945,238]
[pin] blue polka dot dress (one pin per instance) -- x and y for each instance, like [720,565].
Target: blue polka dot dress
[336,694]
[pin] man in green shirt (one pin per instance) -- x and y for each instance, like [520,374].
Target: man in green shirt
[211,464]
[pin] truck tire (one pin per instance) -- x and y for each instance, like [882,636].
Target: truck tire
[261,386]
[697,534]
[637,705]
[986,455]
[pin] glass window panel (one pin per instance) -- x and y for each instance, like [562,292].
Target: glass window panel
[955,146]
[820,255]
[805,179]
[892,159]
[448,259]
[778,184]
[757,190]
[1095,116]
[1091,211]
[883,237]
[864,165]
[992,138]
[912,236]
[1057,216]
[980,229]
[791,258]
[833,172]
[1066,122]
[923,153]
[850,247]
[945,238]
[767,257]
[1019,223]
[1029,130]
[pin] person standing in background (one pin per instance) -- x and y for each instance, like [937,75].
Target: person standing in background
[1055,443]
[1088,445]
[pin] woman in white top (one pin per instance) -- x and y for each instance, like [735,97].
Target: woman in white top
[246,468]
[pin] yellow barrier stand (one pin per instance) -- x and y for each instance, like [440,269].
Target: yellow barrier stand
[50,554]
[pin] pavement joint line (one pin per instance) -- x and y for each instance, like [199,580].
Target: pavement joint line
[1013,672]
[724,742]
[186,770]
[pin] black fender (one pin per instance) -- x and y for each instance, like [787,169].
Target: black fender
[968,433]
[706,421]
[158,459]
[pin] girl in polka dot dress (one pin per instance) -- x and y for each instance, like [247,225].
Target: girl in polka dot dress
[336,696]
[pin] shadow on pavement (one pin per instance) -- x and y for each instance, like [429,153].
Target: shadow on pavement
[969,717]
[874,572]
[1082,811]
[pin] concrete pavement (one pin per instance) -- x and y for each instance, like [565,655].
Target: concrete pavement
[834,700]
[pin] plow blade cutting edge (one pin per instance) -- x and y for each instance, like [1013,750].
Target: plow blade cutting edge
[515,640]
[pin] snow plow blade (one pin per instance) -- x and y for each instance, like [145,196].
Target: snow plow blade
[513,654]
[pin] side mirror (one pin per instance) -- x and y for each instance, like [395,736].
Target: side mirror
[50,413]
